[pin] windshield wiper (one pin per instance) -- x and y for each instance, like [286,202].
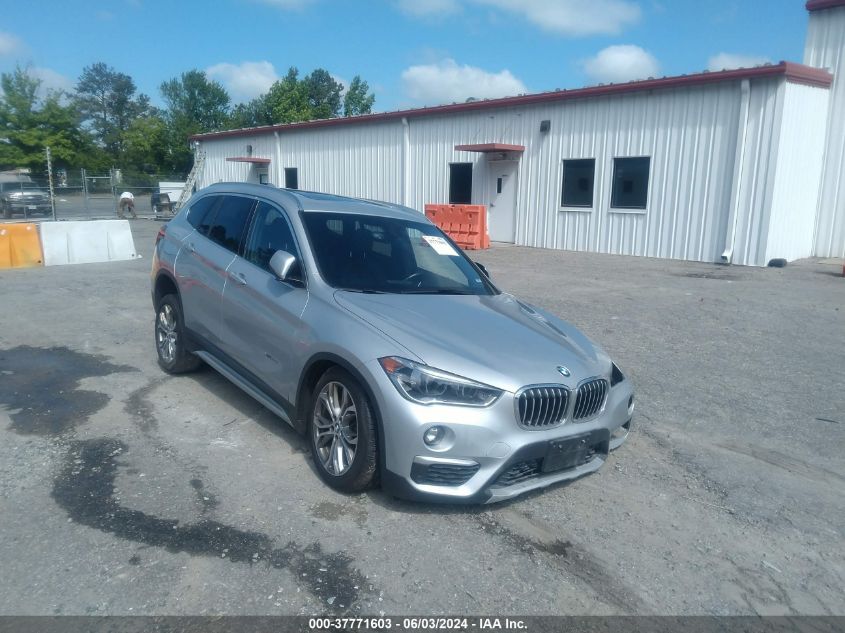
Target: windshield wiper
[434,291]
[366,291]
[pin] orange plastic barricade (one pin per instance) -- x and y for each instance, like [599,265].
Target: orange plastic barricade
[20,246]
[466,224]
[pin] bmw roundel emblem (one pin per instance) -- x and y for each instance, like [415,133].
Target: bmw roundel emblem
[564,371]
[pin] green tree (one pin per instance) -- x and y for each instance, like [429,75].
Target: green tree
[323,94]
[28,124]
[147,144]
[107,101]
[287,99]
[195,104]
[252,114]
[358,98]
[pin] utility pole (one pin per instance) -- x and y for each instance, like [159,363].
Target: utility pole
[50,181]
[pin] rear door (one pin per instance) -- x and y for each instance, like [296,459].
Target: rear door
[261,315]
[205,255]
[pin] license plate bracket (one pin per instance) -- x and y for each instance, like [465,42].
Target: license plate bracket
[571,452]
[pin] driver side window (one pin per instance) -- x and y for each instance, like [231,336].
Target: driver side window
[270,233]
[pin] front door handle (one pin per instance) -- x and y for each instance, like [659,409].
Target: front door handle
[191,247]
[240,278]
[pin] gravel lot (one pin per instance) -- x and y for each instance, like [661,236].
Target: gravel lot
[125,491]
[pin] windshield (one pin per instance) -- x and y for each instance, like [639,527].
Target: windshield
[365,253]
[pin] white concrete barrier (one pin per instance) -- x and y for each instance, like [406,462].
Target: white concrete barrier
[86,242]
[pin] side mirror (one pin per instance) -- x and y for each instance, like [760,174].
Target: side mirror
[483,269]
[281,264]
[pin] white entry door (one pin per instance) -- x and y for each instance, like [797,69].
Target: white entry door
[501,216]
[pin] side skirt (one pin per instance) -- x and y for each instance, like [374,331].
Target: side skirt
[244,385]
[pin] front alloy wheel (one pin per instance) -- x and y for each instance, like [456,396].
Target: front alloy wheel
[335,428]
[343,432]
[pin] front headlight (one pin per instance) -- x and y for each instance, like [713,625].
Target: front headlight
[426,385]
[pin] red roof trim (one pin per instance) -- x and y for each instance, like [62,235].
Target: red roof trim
[818,5]
[795,73]
[248,159]
[490,147]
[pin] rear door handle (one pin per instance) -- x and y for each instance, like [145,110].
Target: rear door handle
[191,247]
[240,278]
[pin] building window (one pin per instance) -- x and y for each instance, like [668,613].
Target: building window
[291,178]
[630,183]
[460,183]
[263,178]
[578,178]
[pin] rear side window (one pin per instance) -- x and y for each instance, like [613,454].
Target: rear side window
[201,209]
[227,227]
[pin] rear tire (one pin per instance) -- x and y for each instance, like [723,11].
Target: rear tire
[173,355]
[342,433]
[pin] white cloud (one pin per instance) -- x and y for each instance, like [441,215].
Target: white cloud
[625,62]
[428,8]
[573,17]
[9,44]
[446,82]
[727,61]
[50,80]
[246,80]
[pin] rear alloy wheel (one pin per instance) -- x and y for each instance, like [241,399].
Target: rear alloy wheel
[343,433]
[173,357]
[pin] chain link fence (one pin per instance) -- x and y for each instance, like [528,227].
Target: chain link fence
[86,195]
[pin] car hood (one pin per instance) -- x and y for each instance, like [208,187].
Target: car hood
[497,340]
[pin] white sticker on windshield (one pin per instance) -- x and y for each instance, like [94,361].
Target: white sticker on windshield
[440,246]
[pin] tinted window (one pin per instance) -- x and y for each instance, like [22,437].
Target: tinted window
[578,177]
[377,254]
[291,178]
[227,227]
[630,183]
[270,233]
[460,183]
[199,210]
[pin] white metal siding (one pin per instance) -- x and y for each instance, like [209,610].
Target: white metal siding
[361,161]
[690,133]
[798,175]
[218,169]
[826,49]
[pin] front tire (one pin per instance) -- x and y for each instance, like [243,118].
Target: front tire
[173,356]
[342,433]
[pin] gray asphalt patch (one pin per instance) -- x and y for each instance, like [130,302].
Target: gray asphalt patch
[85,490]
[40,388]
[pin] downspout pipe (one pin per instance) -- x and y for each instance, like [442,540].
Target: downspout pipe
[406,151]
[739,164]
[279,180]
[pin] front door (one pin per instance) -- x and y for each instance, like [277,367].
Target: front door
[261,315]
[501,216]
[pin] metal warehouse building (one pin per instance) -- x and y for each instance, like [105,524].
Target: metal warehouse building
[742,166]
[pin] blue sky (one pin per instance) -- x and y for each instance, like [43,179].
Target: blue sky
[412,52]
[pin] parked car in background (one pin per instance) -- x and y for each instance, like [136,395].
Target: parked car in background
[365,327]
[25,197]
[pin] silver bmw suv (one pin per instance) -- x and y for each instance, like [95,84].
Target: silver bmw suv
[369,331]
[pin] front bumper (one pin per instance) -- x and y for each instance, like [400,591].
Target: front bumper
[487,457]
[30,207]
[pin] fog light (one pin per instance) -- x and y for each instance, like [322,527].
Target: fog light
[630,405]
[433,435]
